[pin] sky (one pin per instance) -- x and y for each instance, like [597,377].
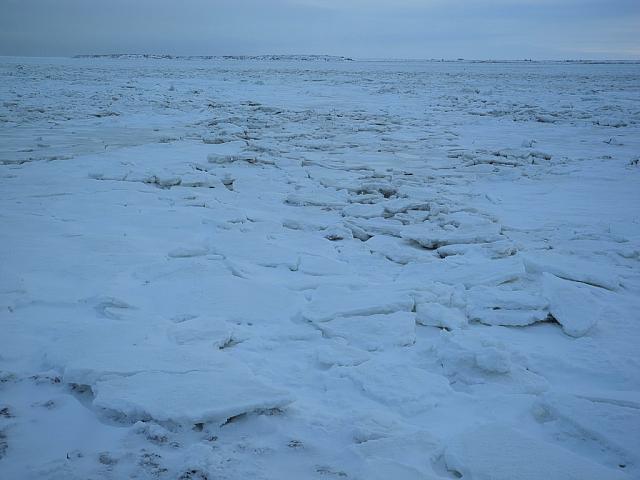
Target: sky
[470,29]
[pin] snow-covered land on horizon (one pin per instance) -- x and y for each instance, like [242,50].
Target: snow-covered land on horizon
[277,268]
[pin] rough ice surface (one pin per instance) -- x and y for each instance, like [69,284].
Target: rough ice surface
[280,267]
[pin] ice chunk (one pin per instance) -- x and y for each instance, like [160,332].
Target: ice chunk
[200,329]
[199,180]
[492,360]
[402,205]
[363,210]
[437,315]
[319,265]
[573,305]
[374,332]
[337,232]
[341,355]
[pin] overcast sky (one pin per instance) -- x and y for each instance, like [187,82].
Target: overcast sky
[479,29]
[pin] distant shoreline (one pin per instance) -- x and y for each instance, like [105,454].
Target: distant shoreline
[327,58]
[336,58]
[316,58]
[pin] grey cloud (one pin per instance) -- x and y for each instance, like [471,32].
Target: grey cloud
[359,28]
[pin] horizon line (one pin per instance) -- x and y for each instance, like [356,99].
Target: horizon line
[157,56]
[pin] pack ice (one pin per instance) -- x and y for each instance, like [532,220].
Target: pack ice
[307,267]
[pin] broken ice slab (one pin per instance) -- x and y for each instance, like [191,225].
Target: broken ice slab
[612,427]
[94,357]
[383,468]
[363,210]
[188,398]
[201,329]
[404,456]
[376,226]
[466,230]
[340,354]
[572,268]
[399,386]
[330,301]
[317,198]
[501,453]
[494,250]
[503,298]
[437,315]
[470,273]
[219,150]
[477,363]
[188,252]
[398,250]
[500,306]
[374,332]
[507,318]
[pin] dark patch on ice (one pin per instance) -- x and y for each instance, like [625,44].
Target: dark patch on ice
[5,412]
[46,377]
[193,474]
[326,470]
[260,411]
[151,462]
[106,458]
[228,183]
[6,377]
[4,444]
[231,342]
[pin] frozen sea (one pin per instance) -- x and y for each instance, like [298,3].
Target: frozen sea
[319,269]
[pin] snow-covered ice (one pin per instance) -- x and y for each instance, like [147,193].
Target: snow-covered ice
[287,267]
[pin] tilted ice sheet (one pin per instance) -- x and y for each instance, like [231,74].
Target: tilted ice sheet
[192,397]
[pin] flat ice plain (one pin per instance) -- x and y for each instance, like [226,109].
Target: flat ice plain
[319,269]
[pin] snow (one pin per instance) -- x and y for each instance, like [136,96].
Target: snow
[307,267]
